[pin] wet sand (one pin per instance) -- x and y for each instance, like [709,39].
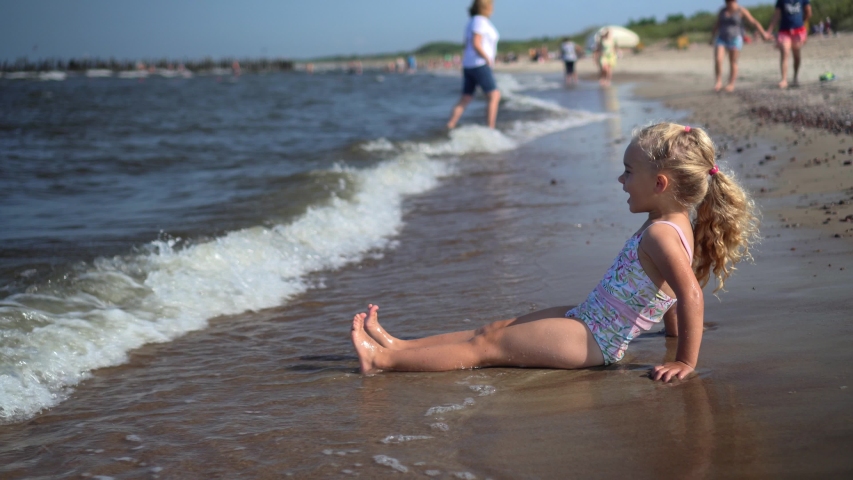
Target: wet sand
[773,393]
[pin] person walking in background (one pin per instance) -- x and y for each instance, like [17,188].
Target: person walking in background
[569,53]
[727,36]
[605,55]
[792,16]
[481,45]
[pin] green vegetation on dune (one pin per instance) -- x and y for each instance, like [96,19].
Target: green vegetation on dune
[840,11]
[702,23]
[697,28]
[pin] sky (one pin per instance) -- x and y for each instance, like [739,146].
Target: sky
[292,29]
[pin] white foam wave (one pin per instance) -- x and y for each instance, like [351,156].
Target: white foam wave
[483,390]
[438,410]
[390,462]
[378,145]
[53,339]
[55,335]
[465,140]
[528,103]
[513,84]
[403,438]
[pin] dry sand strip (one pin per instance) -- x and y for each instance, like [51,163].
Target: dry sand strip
[808,159]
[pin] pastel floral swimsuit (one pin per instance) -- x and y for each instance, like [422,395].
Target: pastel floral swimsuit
[625,302]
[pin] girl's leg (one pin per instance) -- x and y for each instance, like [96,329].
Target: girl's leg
[545,343]
[493,99]
[733,56]
[458,110]
[784,53]
[796,48]
[719,53]
[608,74]
[386,340]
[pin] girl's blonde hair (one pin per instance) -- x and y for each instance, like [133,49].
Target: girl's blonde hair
[479,6]
[725,223]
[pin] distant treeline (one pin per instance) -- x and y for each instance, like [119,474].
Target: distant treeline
[697,27]
[81,65]
[700,25]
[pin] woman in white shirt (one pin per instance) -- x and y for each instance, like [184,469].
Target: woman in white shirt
[481,45]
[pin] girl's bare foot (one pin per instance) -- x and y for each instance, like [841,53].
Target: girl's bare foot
[783,84]
[365,347]
[376,332]
[718,86]
[730,87]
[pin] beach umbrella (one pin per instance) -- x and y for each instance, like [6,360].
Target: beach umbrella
[623,37]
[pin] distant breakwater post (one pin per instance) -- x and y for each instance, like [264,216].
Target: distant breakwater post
[112,66]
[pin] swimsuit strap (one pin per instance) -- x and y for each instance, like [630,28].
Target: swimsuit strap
[680,235]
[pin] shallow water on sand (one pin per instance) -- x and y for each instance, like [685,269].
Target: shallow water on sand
[276,392]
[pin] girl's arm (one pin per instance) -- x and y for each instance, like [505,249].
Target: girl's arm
[777,15]
[666,251]
[670,322]
[749,18]
[477,43]
[714,31]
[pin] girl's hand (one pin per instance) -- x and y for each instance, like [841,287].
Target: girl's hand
[670,370]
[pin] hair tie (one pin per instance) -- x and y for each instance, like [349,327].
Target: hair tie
[714,170]
[687,128]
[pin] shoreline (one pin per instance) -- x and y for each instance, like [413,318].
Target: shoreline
[772,391]
[271,392]
[808,160]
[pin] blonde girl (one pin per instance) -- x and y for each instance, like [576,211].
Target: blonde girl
[700,223]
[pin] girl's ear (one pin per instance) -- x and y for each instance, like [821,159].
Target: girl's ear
[661,183]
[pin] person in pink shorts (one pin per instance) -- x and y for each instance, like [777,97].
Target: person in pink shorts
[792,16]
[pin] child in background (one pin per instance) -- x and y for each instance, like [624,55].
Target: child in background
[569,53]
[727,36]
[671,175]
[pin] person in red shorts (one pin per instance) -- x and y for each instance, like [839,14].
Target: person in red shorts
[792,16]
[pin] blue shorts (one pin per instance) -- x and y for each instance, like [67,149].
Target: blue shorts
[734,44]
[481,76]
[570,66]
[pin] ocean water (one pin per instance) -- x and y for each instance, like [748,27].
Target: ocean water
[181,259]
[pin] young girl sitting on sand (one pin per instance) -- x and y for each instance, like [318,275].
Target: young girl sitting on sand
[670,173]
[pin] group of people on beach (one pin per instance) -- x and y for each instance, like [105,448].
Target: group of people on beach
[481,39]
[791,16]
[699,223]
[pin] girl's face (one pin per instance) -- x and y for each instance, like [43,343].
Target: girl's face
[638,179]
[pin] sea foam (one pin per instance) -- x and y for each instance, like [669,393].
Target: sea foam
[56,333]
[53,338]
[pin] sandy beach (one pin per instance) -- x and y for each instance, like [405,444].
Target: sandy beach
[274,391]
[773,392]
[809,127]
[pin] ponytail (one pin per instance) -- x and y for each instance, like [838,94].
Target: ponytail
[724,228]
[725,223]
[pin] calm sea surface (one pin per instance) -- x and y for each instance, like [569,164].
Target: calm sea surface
[259,213]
